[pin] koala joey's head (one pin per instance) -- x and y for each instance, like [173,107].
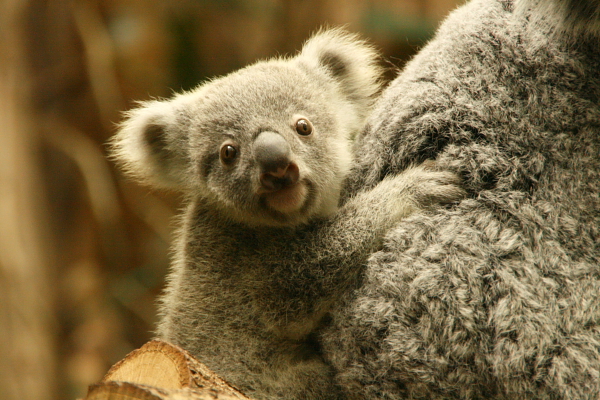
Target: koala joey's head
[266,145]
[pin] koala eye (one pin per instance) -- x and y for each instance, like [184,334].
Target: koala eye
[304,127]
[228,154]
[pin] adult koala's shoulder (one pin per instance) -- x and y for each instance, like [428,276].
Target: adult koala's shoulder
[499,297]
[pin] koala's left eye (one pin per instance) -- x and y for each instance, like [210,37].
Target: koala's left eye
[228,154]
[304,127]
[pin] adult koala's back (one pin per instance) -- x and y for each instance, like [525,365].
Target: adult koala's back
[500,296]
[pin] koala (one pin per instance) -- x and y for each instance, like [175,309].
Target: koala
[498,297]
[265,247]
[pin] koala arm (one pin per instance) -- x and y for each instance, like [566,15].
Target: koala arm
[359,226]
[326,260]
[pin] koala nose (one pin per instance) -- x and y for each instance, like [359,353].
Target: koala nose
[273,155]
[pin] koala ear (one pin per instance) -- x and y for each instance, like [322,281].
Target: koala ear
[150,147]
[350,61]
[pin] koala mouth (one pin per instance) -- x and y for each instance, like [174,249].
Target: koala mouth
[281,188]
[287,199]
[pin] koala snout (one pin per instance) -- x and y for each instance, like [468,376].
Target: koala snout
[273,157]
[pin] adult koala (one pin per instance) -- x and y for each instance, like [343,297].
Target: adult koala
[498,297]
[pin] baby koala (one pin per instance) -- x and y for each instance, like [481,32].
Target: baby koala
[264,249]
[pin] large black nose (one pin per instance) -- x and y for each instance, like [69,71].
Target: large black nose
[273,156]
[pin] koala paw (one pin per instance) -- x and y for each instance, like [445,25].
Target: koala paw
[417,188]
[430,186]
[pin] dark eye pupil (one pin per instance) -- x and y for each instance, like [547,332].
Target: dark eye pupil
[228,153]
[303,127]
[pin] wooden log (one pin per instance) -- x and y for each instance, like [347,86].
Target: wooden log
[132,391]
[159,370]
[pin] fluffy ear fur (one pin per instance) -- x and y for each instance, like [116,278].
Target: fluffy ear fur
[350,61]
[149,145]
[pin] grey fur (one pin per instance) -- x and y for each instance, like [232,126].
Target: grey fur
[258,267]
[499,297]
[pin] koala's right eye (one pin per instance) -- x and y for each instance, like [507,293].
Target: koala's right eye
[304,127]
[228,154]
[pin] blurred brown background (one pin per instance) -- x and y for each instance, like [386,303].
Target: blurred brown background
[83,251]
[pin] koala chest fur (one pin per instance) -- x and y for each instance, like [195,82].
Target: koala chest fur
[262,271]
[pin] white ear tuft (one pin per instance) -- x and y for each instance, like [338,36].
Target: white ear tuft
[349,60]
[149,147]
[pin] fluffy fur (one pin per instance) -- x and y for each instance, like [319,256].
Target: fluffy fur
[263,250]
[499,297]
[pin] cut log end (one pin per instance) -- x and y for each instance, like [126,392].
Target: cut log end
[159,370]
